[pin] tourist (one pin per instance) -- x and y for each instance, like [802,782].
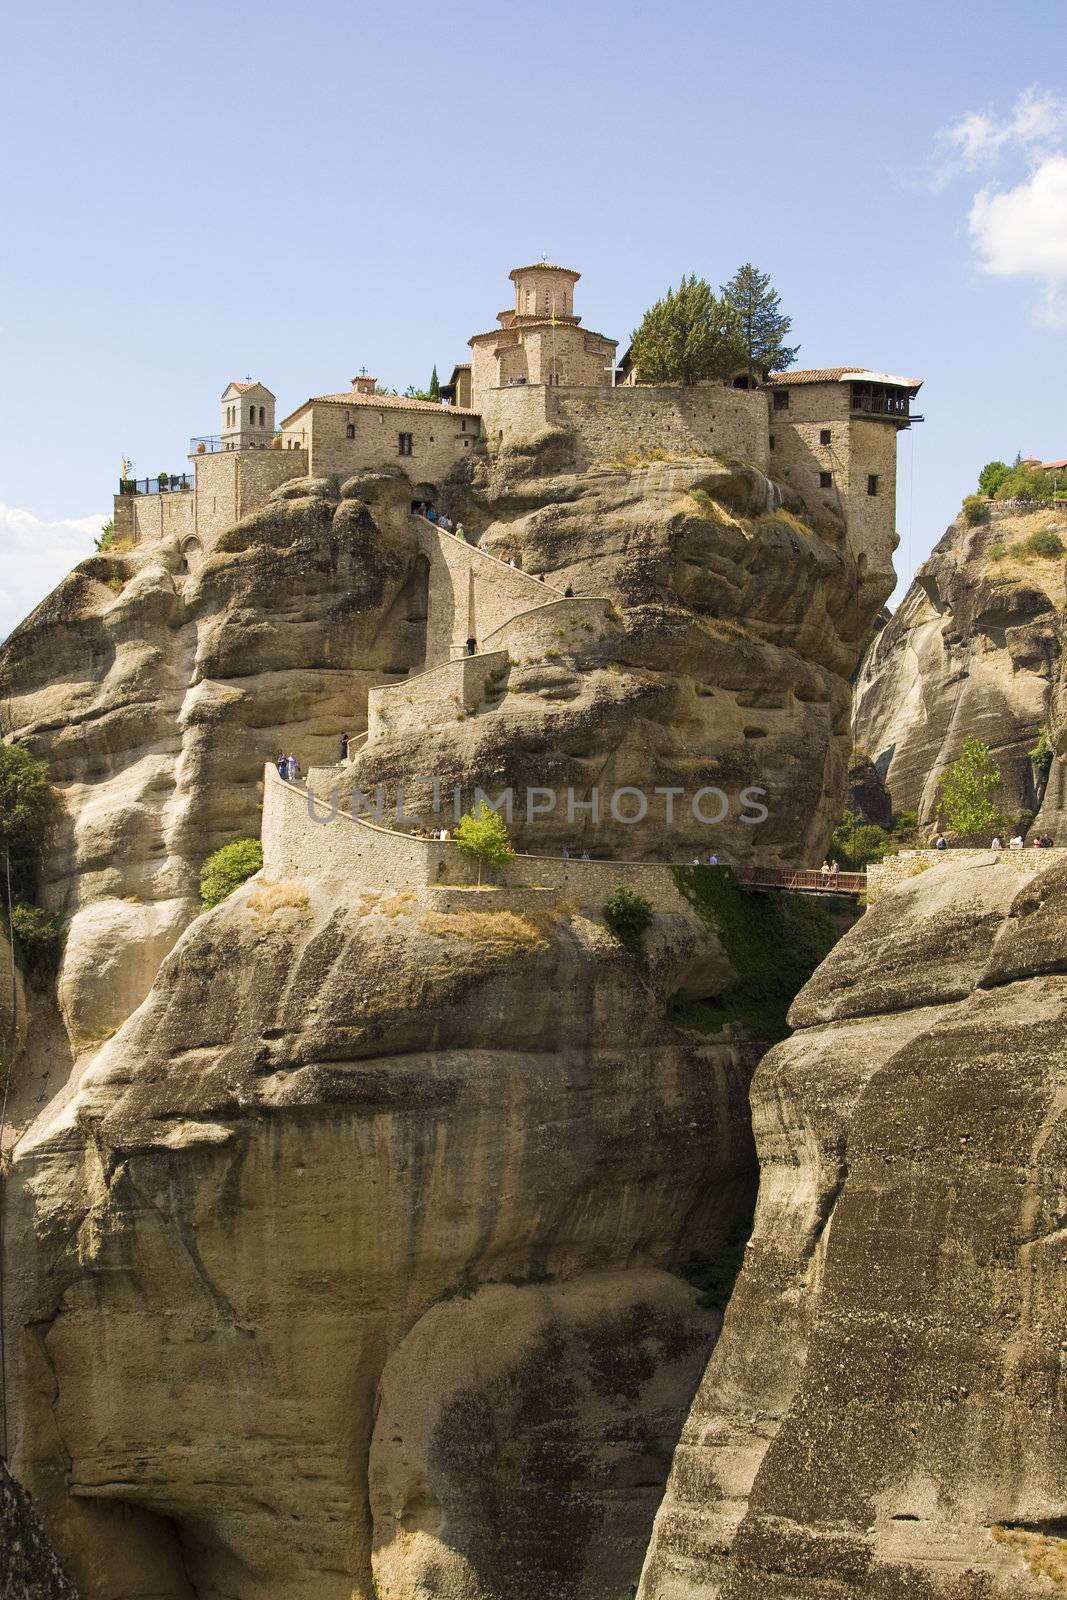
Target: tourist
[540,577]
[445,522]
[566,853]
[695,861]
[472,647]
[512,562]
[292,768]
[1015,842]
[568,593]
[459,531]
[713,860]
[431,515]
[585,855]
[444,835]
[282,766]
[344,747]
[996,845]
[824,874]
[941,843]
[834,871]
[1047,841]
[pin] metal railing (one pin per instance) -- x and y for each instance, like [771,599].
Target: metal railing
[209,444]
[166,483]
[804,880]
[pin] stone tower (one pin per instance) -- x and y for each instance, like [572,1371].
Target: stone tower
[542,289]
[247,417]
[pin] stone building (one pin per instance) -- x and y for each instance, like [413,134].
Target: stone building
[360,429]
[539,340]
[247,417]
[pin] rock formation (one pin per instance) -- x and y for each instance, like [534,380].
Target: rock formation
[883,1415]
[357,1150]
[974,647]
[29,1568]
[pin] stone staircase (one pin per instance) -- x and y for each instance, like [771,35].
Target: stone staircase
[471,594]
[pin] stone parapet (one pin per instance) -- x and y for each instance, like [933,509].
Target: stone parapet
[445,693]
[885,875]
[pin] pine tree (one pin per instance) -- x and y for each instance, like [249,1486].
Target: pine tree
[751,295]
[434,392]
[687,336]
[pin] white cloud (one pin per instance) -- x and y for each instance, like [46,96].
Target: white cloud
[35,555]
[1017,223]
[1036,126]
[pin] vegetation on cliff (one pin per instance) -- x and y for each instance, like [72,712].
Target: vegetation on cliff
[28,808]
[965,790]
[774,942]
[227,868]
[692,334]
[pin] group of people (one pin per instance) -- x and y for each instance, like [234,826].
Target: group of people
[288,768]
[440,835]
[829,873]
[1040,841]
[439,519]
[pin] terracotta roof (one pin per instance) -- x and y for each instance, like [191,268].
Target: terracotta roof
[243,388]
[1054,466]
[380,402]
[838,374]
[545,266]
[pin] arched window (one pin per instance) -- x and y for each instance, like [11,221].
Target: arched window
[252,416]
[262,416]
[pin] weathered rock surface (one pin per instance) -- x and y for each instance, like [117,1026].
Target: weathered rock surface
[29,1567]
[883,1415]
[975,647]
[283,1189]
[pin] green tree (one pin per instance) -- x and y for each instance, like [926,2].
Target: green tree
[964,789]
[687,336]
[628,914]
[483,836]
[434,391]
[28,807]
[758,307]
[107,534]
[992,476]
[227,868]
[854,844]
[1041,755]
[1025,483]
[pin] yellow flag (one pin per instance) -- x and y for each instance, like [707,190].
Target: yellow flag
[553,313]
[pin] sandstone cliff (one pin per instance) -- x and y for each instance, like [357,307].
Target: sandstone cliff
[975,647]
[883,1415]
[354,1265]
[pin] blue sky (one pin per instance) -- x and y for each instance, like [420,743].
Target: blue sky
[196,192]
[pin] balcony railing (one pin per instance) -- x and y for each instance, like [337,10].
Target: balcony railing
[167,483]
[209,444]
[879,402]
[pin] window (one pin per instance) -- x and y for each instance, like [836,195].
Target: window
[463,426]
[781,399]
[350,430]
[872,483]
[405,444]
[252,416]
[824,436]
[825,480]
[262,417]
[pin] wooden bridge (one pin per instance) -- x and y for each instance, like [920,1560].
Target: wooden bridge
[801,880]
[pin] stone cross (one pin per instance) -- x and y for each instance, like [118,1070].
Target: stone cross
[613,371]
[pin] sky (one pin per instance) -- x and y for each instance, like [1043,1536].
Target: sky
[194,193]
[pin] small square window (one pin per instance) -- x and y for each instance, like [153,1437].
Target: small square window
[824,436]
[872,483]
[825,480]
[350,430]
[781,399]
[405,444]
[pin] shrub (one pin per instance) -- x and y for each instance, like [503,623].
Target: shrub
[628,915]
[38,939]
[1041,754]
[1043,542]
[227,868]
[1025,483]
[107,534]
[28,807]
[998,551]
[483,836]
[975,510]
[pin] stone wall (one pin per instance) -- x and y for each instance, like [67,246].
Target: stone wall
[439,438]
[378,859]
[441,694]
[229,484]
[611,424]
[471,593]
[566,625]
[885,875]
